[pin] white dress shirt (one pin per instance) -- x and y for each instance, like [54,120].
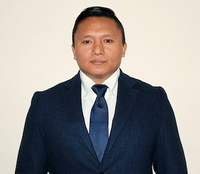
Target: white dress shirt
[88,96]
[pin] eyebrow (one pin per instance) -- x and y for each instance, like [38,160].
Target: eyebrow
[105,35]
[86,36]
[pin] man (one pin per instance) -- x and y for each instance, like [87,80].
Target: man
[101,121]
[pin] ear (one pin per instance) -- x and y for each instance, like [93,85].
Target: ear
[124,49]
[74,51]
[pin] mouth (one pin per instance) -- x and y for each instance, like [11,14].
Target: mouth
[98,62]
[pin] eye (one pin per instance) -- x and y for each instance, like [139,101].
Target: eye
[86,41]
[108,41]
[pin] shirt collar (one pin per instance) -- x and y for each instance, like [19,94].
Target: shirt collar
[111,82]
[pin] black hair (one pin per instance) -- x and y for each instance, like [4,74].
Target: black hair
[97,11]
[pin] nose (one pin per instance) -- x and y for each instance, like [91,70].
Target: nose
[98,49]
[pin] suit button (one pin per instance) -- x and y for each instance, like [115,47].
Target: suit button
[101,173]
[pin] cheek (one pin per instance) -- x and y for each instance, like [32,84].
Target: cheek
[115,51]
[83,53]
[82,59]
[114,56]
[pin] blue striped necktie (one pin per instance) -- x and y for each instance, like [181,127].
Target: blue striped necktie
[99,121]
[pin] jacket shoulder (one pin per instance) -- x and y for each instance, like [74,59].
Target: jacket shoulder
[60,87]
[139,84]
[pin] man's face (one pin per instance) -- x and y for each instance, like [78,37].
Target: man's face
[98,47]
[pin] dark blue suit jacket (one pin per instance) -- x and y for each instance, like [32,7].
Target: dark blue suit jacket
[144,133]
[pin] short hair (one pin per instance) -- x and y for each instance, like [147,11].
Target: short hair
[97,11]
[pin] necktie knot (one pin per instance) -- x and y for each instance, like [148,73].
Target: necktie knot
[99,89]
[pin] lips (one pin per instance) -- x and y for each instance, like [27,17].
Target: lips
[98,62]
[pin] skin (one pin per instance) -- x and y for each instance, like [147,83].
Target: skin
[98,47]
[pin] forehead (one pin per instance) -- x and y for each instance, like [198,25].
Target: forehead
[97,24]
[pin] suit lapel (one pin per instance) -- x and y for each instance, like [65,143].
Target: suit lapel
[72,98]
[125,101]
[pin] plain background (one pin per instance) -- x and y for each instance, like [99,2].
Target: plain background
[163,38]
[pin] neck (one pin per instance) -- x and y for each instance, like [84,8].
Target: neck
[99,80]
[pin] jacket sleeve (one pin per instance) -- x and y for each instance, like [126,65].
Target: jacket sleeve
[169,156]
[32,158]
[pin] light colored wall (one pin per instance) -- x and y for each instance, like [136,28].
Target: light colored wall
[35,53]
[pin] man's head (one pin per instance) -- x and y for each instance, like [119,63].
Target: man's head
[98,43]
[98,12]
